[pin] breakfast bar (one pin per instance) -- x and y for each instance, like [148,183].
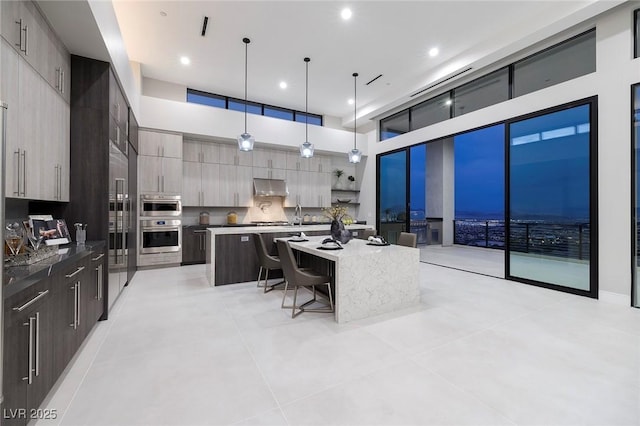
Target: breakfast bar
[368,280]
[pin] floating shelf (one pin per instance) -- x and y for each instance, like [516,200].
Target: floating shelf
[345,190]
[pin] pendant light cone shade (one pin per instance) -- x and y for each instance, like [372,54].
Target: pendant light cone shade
[245,140]
[306,148]
[354,155]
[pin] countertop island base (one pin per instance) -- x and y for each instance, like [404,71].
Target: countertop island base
[383,281]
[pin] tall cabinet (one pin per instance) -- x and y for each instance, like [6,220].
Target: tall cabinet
[35,85]
[94,116]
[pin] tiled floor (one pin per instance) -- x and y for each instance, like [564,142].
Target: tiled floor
[478,350]
[473,259]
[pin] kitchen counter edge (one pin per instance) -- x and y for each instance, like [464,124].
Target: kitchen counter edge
[19,278]
[276,229]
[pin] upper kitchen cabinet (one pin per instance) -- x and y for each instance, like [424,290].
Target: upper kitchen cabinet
[200,151]
[159,162]
[231,155]
[36,114]
[29,34]
[269,158]
[236,186]
[160,144]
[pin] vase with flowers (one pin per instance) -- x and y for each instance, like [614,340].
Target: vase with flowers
[339,217]
[338,174]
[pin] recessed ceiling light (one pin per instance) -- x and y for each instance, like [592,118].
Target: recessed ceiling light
[163,13]
[185,60]
[346,13]
[283,84]
[434,51]
[350,101]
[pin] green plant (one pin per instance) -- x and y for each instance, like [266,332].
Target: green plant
[338,212]
[338,173]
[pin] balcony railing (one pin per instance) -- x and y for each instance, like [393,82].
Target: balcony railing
[568,240]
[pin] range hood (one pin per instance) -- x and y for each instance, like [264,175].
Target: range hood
[270,187]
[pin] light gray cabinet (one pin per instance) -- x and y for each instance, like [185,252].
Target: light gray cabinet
[269,158]
[36,113]
[159,175]
[201,151]
[264,173]
[200,184]
[231,155]
[236,186]
[29,34]
[159,144]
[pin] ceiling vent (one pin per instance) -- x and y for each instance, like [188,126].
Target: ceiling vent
[441,82]
[204,26]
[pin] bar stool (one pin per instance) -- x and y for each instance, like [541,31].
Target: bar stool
[295,277]
[368,233]
[408,239]
[267,263]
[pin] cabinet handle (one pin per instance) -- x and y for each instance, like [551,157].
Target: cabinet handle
[77,271]
[24,172]
[26,40]
[100,283]
[60,184]
[31,325]
[17,153]
[200,231]
[58,78]
[78,304]
[162,183]
[95,259]
[57,181]
[31,302]
[19,44]
[159,184]
[62,81]
[37,358]
[117,134]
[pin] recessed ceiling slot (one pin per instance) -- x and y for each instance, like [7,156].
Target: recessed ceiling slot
[204,26]
[371,81]
[440,82]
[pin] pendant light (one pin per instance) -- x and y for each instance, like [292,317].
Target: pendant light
[245,140]
[306,148]
[354,155]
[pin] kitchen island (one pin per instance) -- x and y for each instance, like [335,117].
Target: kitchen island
[231,255]
[368,280]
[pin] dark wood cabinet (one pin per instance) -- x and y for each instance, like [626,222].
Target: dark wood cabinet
[28,371]
[133,131]
[194,245]
[44,325]
[100,114]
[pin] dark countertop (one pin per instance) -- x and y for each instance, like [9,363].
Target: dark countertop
[18,278]
[359,222]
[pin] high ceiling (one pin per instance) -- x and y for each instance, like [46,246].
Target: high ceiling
[391,38]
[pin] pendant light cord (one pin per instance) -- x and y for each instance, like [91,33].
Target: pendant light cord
[306,103]
[355,109]
[246,56]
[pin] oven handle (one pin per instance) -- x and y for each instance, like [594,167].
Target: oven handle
[172,228]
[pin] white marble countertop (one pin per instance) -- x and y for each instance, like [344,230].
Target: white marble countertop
[274,229]
[354,248]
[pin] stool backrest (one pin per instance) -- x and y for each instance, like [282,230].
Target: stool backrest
[407,239]
[287,261]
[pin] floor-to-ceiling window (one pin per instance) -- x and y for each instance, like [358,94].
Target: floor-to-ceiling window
[552,200]
[479,187]
[392,194]
[635,292]
[418,192]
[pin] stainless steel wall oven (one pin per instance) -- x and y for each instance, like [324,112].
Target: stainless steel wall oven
[160,205]
[160,236]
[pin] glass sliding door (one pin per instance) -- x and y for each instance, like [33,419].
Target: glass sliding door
[552,200]
[392,194]
[635,291]
[418,192]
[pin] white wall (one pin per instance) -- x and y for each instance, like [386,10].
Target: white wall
[616,72]
[195,119]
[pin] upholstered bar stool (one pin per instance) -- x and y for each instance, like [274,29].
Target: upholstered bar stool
[267,263]
[295,277]
[368,233]
[408,239]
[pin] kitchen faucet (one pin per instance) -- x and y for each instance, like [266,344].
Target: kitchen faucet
[298,214]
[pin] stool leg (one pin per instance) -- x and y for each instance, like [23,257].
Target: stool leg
[330,297]
[284,294]
[293,307]
[266,281]
[259,276]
